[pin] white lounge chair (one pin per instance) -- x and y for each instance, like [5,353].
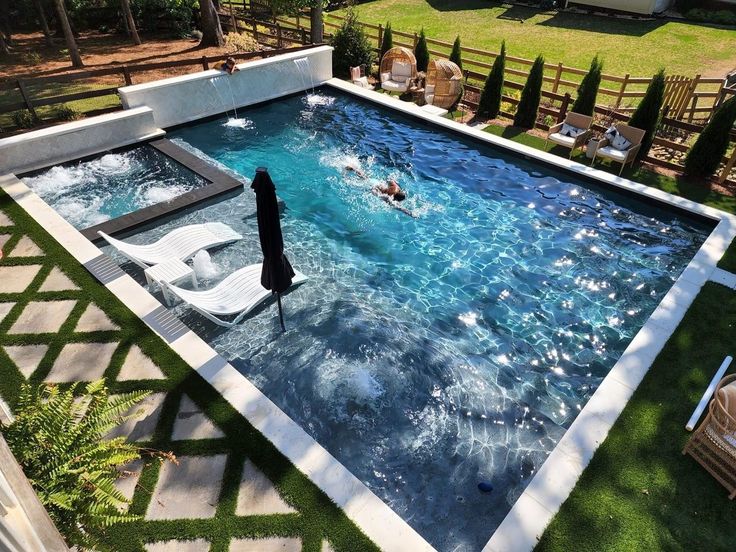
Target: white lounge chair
[239,294]
[181,243]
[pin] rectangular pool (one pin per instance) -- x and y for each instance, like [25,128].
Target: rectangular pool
[432,353]
[92,191]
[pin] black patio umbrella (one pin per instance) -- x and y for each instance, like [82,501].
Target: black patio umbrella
[276,273]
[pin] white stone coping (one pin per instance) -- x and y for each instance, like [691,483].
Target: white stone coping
[552,484]
[379,522]
[208,74]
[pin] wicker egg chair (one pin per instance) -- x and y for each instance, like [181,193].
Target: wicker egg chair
[444,83]
[393,80]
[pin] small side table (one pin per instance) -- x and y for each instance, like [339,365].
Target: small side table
[591,147]
[171,271]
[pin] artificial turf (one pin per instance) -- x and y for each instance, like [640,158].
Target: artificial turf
[318,517]
[639,492]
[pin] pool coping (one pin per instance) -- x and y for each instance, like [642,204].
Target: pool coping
[373,516]
[552,484]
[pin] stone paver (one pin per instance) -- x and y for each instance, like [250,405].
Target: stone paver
[142,424]
[26,357]
[57,281]
[42,317]
[5,309]
[272,544]
[138,366]
[257,495]
[81,362]
[15,279]
[5,220]
[192,423]
[199,545]
[126,483]
[26,247]
[94,320]
[189,490]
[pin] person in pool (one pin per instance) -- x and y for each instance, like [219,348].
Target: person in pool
[228,66]
[355,170]
[392,194]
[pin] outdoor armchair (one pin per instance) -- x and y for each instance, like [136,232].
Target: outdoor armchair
[605,148]
[578,137]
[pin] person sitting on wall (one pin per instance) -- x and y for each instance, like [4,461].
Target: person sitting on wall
[228,66]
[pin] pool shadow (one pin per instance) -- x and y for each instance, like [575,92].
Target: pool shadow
[462,5]
[602,24]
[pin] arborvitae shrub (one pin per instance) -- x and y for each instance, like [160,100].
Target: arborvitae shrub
[705,155]
[647,114]
[388,41]
[421,52]
[490,99]
[526,112]
[588,89]
[457,56]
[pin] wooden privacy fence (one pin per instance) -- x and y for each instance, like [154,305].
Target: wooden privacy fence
[25,85]
[690,98]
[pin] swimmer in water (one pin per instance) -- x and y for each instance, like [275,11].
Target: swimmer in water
[392,194]
[355,170]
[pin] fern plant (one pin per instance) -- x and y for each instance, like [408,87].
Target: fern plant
[60,443]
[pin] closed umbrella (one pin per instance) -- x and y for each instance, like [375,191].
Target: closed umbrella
[276,273]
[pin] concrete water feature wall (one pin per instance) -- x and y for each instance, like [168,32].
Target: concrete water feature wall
[53,145]
[189,97]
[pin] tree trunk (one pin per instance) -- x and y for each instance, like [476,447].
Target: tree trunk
[315,24]
[128,16]
[5,22]
[3,45]
[44,23]
[211,28]
[71,44]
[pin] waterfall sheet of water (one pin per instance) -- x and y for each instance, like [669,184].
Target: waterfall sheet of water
[232,121]
[305,72]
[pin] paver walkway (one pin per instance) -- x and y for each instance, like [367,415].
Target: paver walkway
[58,325]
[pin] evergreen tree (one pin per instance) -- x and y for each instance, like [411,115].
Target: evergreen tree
[456,56]
[421,52]
[588,89]
[490,99]
[647,114]
[388,41]
[526,112]
[705,155]
[351,47]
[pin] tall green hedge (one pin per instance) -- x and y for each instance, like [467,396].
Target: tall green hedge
[588,89]
[457,56]
[388,41]
[421,52]
[490,99]
[351,47]
[526,112]
[648,113]
[705,155]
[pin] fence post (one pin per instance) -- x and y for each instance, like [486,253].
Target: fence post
[205,63]
[255,30]
[233,21]
[621,91]
[27,100]
[558,74]
[416,39]
[693,107]
[563,107]
[297,20]
[278,36]
[304,36]
[380,38]
[727,169]
[126,75]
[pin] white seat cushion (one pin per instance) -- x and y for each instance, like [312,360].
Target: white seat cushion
[393,86]
[385,76]
[611,153]
[354,73]
[558,138]
[400,69]
[429,98]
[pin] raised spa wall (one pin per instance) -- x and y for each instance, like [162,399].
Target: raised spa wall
[154,106]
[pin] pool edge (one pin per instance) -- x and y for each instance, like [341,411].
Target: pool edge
[540,501]
[373,516]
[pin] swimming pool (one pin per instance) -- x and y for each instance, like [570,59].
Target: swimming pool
[92,191]
[430,354]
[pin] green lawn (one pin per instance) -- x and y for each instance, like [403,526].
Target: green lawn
[50,112]
[635,47]
[639,492]
[317,517]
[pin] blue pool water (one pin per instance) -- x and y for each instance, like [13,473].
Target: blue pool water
[93,191]
[430,354]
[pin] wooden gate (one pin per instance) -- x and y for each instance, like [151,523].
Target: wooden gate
[678,91]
